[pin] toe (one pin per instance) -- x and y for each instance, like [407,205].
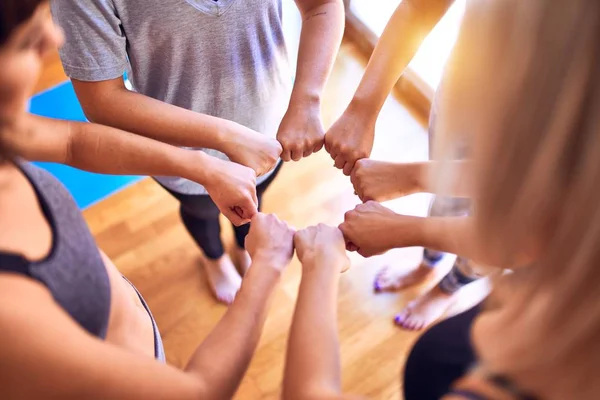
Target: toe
[401,317]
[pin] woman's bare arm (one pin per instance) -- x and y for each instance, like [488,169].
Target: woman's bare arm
[45,354]
[382,181]
[101,149]
[313,370]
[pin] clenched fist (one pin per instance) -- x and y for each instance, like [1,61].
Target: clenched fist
[301,132]
[322,245]
[270,241]
[250,148]
[350,139]
[233,189]
[381,181]
[372,229]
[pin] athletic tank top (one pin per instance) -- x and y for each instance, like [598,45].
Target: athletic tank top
[74,271]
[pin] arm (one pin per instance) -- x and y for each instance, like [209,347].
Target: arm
[373,229]
[313,370]
[104,371]
[234,340]
[412,21]
[301,131]
[100,149]
[351,137]
[382,181]
[95,57]
[111,103]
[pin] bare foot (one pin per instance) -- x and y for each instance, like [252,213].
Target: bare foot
[241,259]
[425,310]
[390,279]
[223,278]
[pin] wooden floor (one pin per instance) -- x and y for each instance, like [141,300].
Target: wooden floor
[139,229]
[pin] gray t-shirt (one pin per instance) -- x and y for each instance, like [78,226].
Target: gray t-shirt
[227,59]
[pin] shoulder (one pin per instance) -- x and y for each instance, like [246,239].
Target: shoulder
[23,228]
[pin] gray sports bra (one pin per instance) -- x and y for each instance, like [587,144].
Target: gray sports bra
[74,271]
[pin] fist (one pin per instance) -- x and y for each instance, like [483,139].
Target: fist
[349,140]
[251,149]
[271,241]
[369,229]
[321,244]
[381,181]
[233,189]
[301,133]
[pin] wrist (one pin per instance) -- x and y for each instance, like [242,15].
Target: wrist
[365,107]
[324,265]
[268,271]
[413,173]
[305,101]
[271,258]
[408,231]
[230,137]
[197,166]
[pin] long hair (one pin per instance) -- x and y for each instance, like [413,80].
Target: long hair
[13,13]
[523,90]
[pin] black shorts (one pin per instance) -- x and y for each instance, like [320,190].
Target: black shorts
[441,356]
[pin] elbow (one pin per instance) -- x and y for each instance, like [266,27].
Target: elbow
[97,99]
[95,111]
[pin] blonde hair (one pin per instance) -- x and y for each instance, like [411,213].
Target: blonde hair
[523,90]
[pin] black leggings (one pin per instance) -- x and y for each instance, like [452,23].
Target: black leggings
[441,356]
[200,215]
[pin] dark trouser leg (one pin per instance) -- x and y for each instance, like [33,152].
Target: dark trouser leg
[441,356]
[206,232]
[462,273]
[200,216]
[242,231]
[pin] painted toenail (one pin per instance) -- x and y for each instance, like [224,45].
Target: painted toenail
[398,319]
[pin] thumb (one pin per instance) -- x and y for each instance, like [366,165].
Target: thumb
[233,216]
[246,209]
[351,246]
[344,228]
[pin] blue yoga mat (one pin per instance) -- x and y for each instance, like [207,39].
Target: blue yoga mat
[87,188]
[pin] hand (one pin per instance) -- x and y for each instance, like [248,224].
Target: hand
[381,181]
[301,132]
[252,149]
[270,241]
[350,139]
[321,244]
[368,229]
[233,189]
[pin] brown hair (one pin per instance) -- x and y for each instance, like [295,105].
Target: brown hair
[13,13]
[524,91]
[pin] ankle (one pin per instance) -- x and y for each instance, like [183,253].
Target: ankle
[215,262]
[440,290]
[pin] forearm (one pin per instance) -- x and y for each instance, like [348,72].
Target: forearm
[322,31]
[223,358]
[105,150]
[145,116]
[412,21]
[454,235]
[457,183]
[313,368]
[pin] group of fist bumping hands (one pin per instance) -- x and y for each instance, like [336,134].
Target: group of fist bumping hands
[366,228]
